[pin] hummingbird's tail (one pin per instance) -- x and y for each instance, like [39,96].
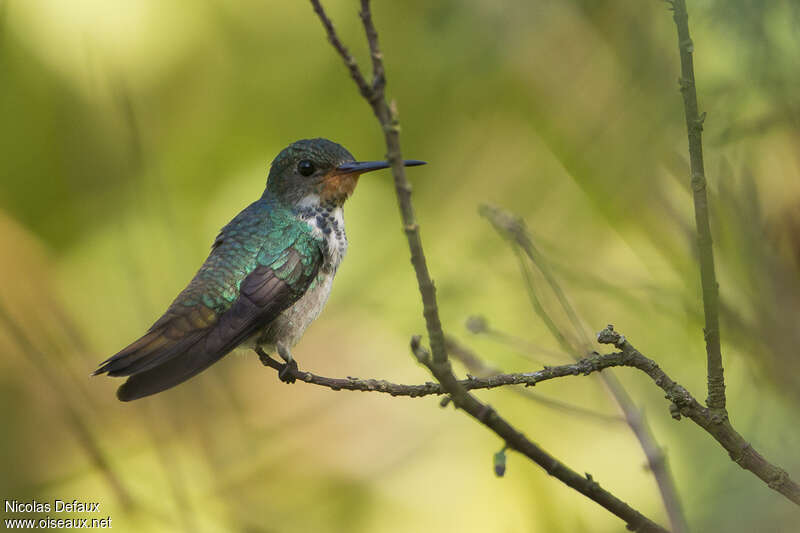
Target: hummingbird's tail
[181,344]
[156,363]
[166,375]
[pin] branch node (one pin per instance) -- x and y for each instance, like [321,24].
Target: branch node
[592,485]
[609,336]
[701,120]
[419,351]
[739,456]
[718,416]
[781,477]
[486,413]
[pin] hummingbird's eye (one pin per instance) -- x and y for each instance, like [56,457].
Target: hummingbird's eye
[305,167]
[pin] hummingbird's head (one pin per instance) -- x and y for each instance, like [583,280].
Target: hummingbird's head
[318,172]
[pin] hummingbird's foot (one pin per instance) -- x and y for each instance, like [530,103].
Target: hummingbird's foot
[286,374]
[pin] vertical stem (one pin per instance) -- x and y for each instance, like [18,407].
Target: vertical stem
[708,279]
[391,131]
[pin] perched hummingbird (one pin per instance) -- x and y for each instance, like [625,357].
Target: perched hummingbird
[266,279]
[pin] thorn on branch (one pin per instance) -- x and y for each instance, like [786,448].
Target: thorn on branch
[593,486]
[701,119]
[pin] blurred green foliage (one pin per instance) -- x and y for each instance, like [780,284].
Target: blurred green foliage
[132,130]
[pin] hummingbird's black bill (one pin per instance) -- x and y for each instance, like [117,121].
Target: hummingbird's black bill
[368,166]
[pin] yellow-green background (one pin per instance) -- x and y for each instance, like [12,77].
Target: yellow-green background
[131,131]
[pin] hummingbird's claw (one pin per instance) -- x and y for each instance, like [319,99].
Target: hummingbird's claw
[286,374]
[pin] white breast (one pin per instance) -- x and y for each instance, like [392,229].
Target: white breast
[290,325]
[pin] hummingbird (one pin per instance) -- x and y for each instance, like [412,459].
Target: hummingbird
[266,279]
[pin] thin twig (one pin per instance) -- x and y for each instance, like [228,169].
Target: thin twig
[528,350]
[708,278]
[583,367]
[379,78]
[349,60]
[479,368]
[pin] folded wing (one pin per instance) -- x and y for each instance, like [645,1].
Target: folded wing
[199,328]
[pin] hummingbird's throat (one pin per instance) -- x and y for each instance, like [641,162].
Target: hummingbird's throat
[337,187]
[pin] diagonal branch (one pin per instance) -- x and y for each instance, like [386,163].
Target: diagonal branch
[515,440]
[438,364]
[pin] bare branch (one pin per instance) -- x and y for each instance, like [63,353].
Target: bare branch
[438,363]
[348,59]
[583,367]
[481,369]
[388,120]
[708,278]
[530,351]
[717,425]
[378,76]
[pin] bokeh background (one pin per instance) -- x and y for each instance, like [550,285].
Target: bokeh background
[131,131]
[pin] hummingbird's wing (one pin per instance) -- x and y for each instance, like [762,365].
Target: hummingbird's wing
[239,289]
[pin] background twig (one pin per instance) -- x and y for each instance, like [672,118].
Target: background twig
[479,368]
[513,229]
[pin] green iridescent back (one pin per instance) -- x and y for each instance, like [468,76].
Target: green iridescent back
[263,234]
